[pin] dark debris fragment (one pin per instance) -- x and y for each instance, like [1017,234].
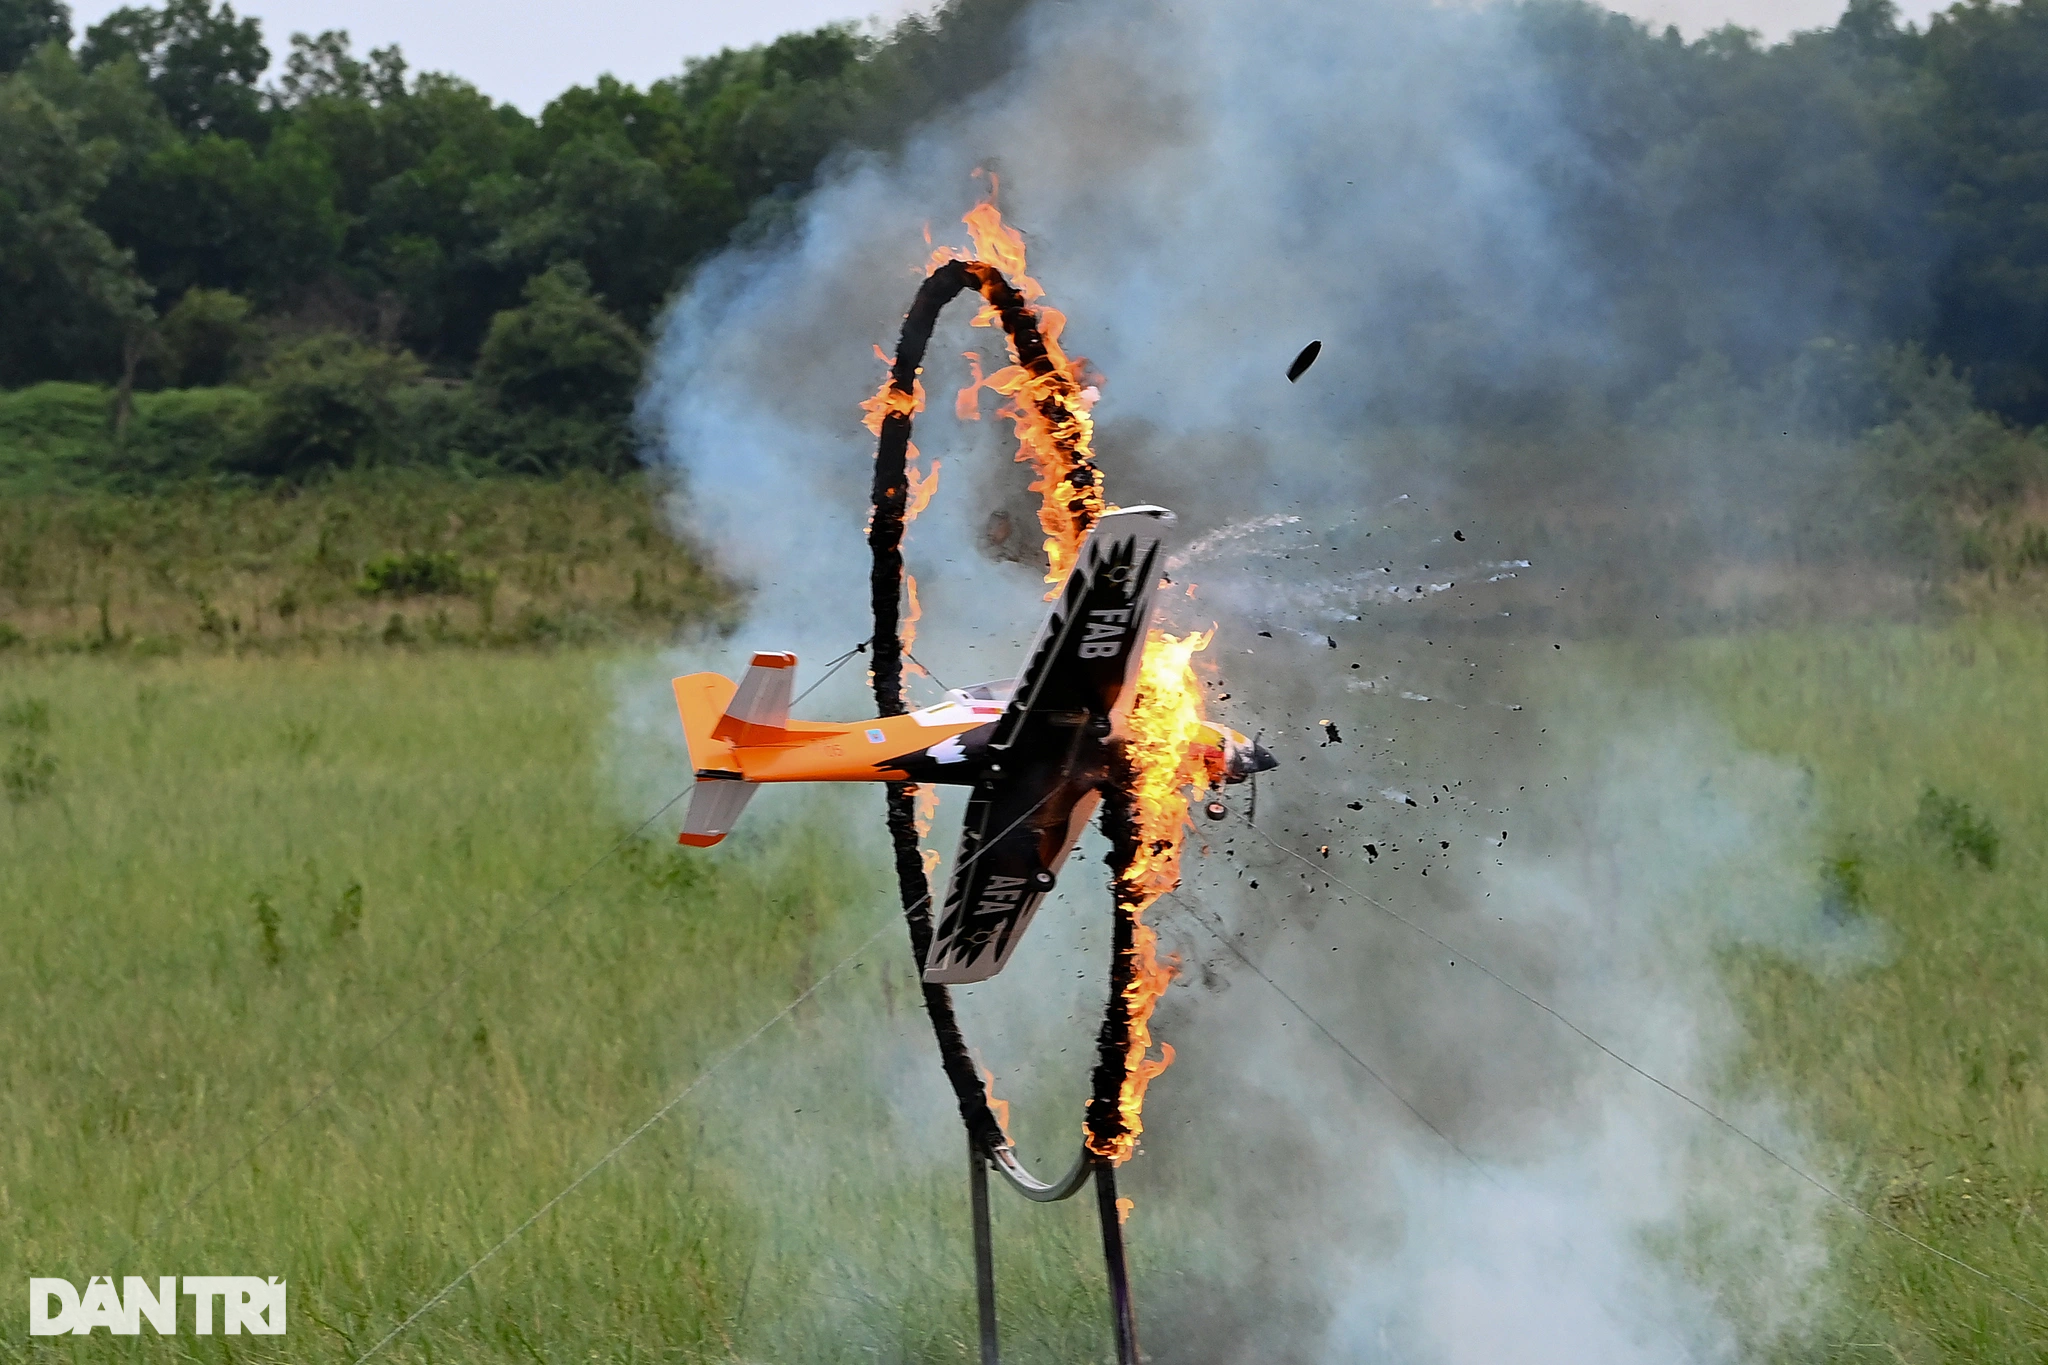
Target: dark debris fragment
[1304,360]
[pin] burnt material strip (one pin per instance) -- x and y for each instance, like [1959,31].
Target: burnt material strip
[1105,1116]
[885,590]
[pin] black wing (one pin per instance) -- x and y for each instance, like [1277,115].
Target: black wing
[1045,757]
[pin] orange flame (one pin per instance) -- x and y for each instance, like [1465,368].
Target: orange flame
[1162,728]
[1049,409]
[998,244]
[1049,405]
[999,1107]
[922,487]
[1123,1210]
[888,400]
[911,616]
[927,811]
[967,403]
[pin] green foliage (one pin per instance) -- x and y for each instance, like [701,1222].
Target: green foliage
[232,566]
[1845,884]
[220,213]
[55,436]
[348,912]
[1878,189]
[418,573]
[1957,826]
[202,63]
[328,402]
[28,772]
[270,925]
[69,294]
[323,69]
[562,370]
[184,433]
[205,339]
[562,351]
[26,25]
[29,715]
[1910,442]
[415,207]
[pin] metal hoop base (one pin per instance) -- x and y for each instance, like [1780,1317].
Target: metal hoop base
[1004,1159]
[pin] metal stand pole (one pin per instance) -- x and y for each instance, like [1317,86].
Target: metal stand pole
[1119,1273]
[984,1253]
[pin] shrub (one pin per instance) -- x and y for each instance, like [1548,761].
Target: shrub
[2033,550]
[561,371]
[329,402]
[61,436]
[31,715]
[348,912]
[27,774]
[1968,836]
[1845,891]
[205,338]
[417,573]
[270,925]
[184,433]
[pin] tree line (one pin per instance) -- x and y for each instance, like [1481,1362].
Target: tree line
[385,253]
[169,221]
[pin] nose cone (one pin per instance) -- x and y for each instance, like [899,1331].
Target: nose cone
[1262,758]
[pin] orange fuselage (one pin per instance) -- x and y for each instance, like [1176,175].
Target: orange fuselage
[885,749]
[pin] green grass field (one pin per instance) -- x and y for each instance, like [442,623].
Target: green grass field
[364,559]
[227,877]
[1926,1073]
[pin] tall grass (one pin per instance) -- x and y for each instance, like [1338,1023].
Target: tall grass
[1928,1073]
[244,872]
[370,558]
[232,876]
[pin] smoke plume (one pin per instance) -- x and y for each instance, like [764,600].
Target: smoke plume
[1440,658]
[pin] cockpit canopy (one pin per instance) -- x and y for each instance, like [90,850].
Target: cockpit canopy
[984,695]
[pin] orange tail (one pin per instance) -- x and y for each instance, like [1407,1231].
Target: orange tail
[717,712]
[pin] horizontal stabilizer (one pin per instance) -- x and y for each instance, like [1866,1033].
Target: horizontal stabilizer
[716,804]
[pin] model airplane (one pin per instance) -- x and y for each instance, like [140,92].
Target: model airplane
[1032,749]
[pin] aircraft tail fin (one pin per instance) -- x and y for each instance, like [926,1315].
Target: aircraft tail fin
[701,699]
[718,716]
[760,703]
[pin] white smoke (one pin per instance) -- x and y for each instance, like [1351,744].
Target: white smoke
[1205,187]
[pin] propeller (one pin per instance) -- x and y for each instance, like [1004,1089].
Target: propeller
[1251,811]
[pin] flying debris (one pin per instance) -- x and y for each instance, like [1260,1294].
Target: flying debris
[1036,750]
[1304,360]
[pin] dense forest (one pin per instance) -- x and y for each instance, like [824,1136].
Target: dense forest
[351,262]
